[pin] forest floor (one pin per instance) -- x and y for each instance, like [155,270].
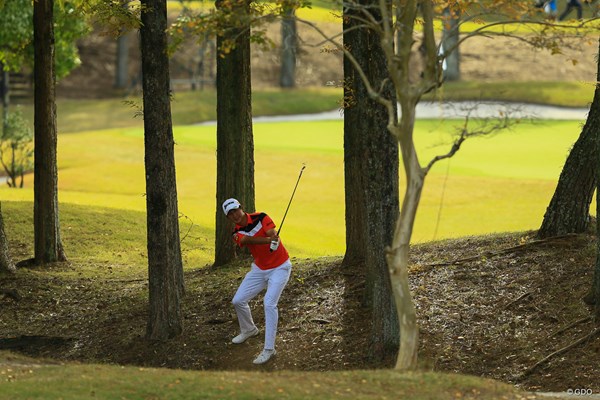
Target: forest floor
[491,306]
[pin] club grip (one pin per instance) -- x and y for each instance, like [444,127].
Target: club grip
[274,245]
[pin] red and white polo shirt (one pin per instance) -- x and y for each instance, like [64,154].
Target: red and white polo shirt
[258,225]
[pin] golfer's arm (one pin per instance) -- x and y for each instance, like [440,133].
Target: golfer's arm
[271,235]
[255,240]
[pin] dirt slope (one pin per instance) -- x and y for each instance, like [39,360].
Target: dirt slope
[487,306]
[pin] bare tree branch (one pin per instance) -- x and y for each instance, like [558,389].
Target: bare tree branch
[455,147]
[373,94]
[485,127]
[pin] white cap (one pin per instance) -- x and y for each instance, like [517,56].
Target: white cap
[230,204]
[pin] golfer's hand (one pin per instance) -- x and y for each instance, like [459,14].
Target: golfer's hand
[274,245]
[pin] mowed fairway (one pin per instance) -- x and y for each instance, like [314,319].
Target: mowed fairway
[494,184]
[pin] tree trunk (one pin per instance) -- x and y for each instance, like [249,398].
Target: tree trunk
[122,62]
[355,124]
[595,291]
[6,264]
[4,93]
[398,256]
[568,211]
[48,246]
[165,268]
[289,45]
[371,180]
[594,295]
[235,143]
[449,42]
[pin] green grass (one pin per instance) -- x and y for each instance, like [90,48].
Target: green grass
[29,380]
[187,108]
[104,240]
[564,94]
[319,11]
[496,184]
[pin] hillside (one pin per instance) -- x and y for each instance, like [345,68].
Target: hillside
[488,306]
[513,60]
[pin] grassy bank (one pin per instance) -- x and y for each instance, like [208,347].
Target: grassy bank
[188,108]
[32,380]
[563,94]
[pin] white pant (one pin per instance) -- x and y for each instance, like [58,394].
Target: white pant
[255,281]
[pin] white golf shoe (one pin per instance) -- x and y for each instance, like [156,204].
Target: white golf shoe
[264,356]
[242,337]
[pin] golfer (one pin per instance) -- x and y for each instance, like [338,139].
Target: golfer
[271,270]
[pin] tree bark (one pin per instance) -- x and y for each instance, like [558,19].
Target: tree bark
[371,179]
[235,142]
[48,245]
[595,290]
[5,94]
[449,42]
[165,267]
[6,263]
[289,45]
[568,211]
[408,95]
[355,125]
[398,256]
[122,62]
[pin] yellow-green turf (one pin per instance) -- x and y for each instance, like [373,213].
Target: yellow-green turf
[494,184]
[319,11]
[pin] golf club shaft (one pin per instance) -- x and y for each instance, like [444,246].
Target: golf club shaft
[288,206]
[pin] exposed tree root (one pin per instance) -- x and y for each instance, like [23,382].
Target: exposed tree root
[572,324]
[490,254]
[521,297]
[529,370]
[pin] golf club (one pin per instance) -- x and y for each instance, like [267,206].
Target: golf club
[274,244]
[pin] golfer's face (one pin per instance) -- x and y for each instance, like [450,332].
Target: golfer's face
[237,216]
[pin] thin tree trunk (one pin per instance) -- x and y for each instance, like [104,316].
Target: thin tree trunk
[122,62]
[289,44]
[6,264]
[5,94]
[165,267]
[568,211]
[48,246]
[449,44]
[399,255]
[235,143]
